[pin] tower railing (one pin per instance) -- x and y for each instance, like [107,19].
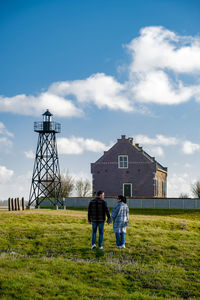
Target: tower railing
[47,127]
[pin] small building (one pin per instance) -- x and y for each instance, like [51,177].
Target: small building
[128,170]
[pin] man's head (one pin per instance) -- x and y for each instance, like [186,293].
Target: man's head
[100,194]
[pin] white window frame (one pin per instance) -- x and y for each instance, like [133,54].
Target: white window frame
[128,183]
[119,167]
[163,188]
[156,187]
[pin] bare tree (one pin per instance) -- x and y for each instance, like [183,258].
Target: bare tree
[83,187]
[196,189]
[67,185]
[184,196]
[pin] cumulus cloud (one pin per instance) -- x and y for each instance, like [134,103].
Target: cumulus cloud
[16,185]
[5,175]
[5,144]
[100,89]
[154,144]
[157,54]
[190,148]
[4,131]
[29,154]
[78,145]
[179,183]
[5,141]
[159,48]
[156,87]
[158,59]
[158,140]
[156,151]
[31,105]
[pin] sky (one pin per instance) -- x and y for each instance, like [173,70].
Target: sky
[104,69]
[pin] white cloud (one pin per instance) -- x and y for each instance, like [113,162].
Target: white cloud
[4,131]
[186,146]
[157,54]
[158,140]
[5,175]
[190,148]
[78,145]
[29,154]
[156,87]
[34,106]
[159,57]
[156,151]
[179,183]
[5,144]
[16,185]
[100,89]
[159,48]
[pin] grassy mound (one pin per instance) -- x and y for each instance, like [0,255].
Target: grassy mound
[45,254]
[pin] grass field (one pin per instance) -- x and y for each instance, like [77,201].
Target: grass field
[45,254]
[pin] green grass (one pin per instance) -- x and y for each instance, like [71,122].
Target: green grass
[45,254]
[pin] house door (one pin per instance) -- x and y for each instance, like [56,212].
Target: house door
[127,189]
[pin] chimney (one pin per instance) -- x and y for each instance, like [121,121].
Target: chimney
[130,140]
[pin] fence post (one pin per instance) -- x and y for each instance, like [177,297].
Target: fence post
[18,206]
[22,203]
[9,204]
[15,203]
[12,204]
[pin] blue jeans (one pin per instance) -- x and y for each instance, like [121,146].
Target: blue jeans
[94,232]
[120,238]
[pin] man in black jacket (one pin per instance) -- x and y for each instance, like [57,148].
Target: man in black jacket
[97,212]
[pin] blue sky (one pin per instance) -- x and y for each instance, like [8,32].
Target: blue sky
[103,68]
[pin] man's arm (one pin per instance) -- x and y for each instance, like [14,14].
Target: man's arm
[89,213]
[107,210]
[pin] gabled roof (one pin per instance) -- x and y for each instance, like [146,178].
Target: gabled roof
[129,143]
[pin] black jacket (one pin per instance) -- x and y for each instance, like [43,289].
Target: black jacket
[98,210]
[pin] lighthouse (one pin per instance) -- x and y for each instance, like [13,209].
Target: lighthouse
[46,183]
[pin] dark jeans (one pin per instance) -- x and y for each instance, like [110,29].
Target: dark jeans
[120,238]
[94,232]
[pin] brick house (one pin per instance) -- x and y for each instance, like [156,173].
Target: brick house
[127,169]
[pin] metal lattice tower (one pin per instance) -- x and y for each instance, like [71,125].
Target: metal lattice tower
[46,183]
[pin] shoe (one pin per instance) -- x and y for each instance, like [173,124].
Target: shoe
[119,247]
[123,246]
[93,247]
[101,248]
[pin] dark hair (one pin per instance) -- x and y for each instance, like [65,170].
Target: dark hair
[99,193]
[122,198]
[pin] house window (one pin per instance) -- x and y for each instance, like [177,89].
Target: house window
[123,161]
[163,188]
[127,189]
[156,187]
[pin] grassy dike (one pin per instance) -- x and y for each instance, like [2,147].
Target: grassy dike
[45,254]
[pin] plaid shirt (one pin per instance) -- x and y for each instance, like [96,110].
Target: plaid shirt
[120,214]
[98,210]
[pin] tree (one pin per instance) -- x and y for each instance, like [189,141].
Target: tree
[184,196]
[196,189]
[67,185]
[83,187]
